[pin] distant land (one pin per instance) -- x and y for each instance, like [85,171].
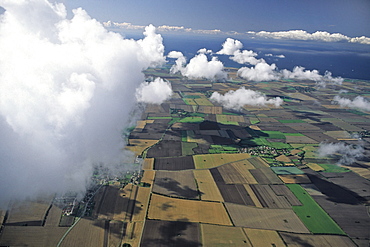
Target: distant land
[209,176]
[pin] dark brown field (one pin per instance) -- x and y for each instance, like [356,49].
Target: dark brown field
[174,164]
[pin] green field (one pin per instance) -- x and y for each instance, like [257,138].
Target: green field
[189,101]
[187,148]
[312,215]
[153,118]
[191,120]
[283,170]
[333,168]
[218,149]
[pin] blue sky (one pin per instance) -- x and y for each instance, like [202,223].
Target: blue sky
[349,17]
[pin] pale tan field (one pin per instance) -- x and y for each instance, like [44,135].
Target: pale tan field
[262,238]
[148,164]
[133,233]
[253,196]
[283,158]
[214,235]
[207,186]
[214,160]
[203,101]
[300,139]
[210,109]
[86,233]
[295,179]
[265,218]
[315,167]
[166,208]
[338,134]
[142,201]
[148,176]
[137,146]
[53,217]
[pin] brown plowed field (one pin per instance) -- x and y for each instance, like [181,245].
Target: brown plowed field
[262,238]
[265,218]
[293,239]
[282,190]
[268,198]
[165,149]
[176,183]
[231,175]
[257,162]
[174,164]
[171,209]
[86,233]
[170,233]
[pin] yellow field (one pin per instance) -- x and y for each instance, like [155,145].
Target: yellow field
[140,125]
[166,208]
[262,238]
[207,186]
[148,164]
[148,176]
[315,167]
[253,196]
[203,101]
[295,179]
[213,160]
[214,235]
[283,158]
[133,233]
[141,204]
[210,109]
[265,218]
[229,118]
[363,172]
[85,233]
[338,134]
[137,146]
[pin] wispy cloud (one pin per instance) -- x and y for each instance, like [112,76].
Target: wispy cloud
[357,103]
[348,153]
[318,36]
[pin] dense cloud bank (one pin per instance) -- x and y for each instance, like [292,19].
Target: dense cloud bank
[357,103]
[67,87]
[348,153]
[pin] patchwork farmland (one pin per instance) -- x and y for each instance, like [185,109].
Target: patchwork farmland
[210,176]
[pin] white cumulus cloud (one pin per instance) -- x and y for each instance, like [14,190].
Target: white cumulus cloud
[155,92]
[237,99]
[67,87]
[260,72]
[358,103]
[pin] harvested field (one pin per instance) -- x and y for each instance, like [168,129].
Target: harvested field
[363,172]
[174,164]
[282,190]
[53,217]
[262,238]
[32,236]
[315,167]
[300,139]
[295,179]
[214,235]
[142,201]
[165,149]
[243,167]
[171,233]
[171,209]
[268,198]
[86,233]
[176,183]
[127,204]
[231,175]
[283,158]
[133,232]
[265,218]
[115,233]
[265,176]
[214,160]
[312,215]
[294,239]
[148,176]
[257,162]
[207,186]
[302,127]
[203,102]
[31,213]
[210,109]
[148,164]
[139,145]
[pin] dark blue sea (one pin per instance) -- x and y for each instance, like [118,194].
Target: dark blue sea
[348,60]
